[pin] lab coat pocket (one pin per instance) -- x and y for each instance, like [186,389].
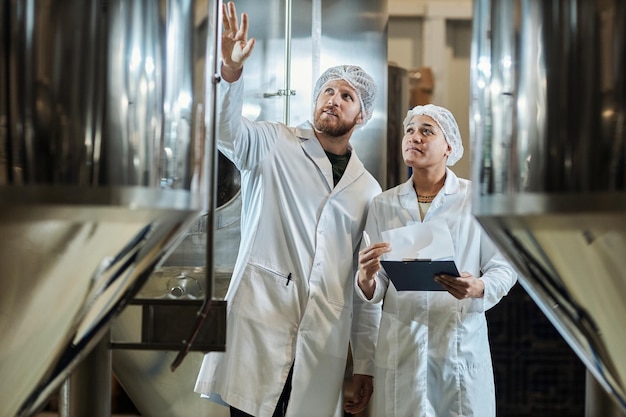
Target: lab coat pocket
[267,294]
[478,391]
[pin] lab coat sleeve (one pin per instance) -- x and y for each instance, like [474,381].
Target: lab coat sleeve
[365,321]
[382,281]
[379,291]
[366,313]
[497,274]
[242,141]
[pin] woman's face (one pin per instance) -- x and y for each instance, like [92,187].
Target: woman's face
[423,144]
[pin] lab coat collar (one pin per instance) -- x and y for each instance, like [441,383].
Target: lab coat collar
[452,184]
[408,199]
[313,148]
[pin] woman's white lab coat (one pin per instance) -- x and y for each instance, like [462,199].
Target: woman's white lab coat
[291,294]
[432,355]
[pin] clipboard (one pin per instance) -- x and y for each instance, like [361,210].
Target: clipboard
[418,275]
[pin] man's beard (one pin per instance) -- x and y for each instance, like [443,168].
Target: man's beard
[332,129]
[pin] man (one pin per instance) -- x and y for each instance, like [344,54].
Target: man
[304,200]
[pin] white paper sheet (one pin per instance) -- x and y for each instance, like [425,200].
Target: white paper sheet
[431,240]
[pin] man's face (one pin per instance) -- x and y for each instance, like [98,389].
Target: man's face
[337,109]
[424,144]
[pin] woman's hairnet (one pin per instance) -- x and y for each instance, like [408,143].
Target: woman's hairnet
[358,79]
[447,123]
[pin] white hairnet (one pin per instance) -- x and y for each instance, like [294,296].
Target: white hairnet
[447,123]
[362,82]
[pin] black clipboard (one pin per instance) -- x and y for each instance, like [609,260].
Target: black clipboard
[418,275]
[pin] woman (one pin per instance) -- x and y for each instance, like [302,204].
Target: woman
[432,355]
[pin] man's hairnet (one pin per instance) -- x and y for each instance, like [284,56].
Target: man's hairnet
[362,82]
[447,123]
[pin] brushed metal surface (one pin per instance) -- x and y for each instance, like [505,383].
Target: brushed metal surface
[146,375]
[323,34]
[106,159]
[548,118]
[66,270]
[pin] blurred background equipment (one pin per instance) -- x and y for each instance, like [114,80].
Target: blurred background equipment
[548,119]
[421,86]
[106,160]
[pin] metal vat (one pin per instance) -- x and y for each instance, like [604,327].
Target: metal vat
[548,119]
[106,159]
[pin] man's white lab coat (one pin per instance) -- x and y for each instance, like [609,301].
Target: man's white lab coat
[291,294]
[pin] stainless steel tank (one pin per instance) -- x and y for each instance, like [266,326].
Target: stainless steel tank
[106,159]
[146,375]
[548,127]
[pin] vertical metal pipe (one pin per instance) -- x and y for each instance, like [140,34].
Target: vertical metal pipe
[287,60]
[212,168]
[212,153]
[316,39]
[87,392]
[64,399]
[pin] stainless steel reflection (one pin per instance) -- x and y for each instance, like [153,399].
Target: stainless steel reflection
[548,129]
[154,388]
[323,34]
[103,166]
[146,376]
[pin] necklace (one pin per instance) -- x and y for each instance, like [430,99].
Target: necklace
[426,198]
